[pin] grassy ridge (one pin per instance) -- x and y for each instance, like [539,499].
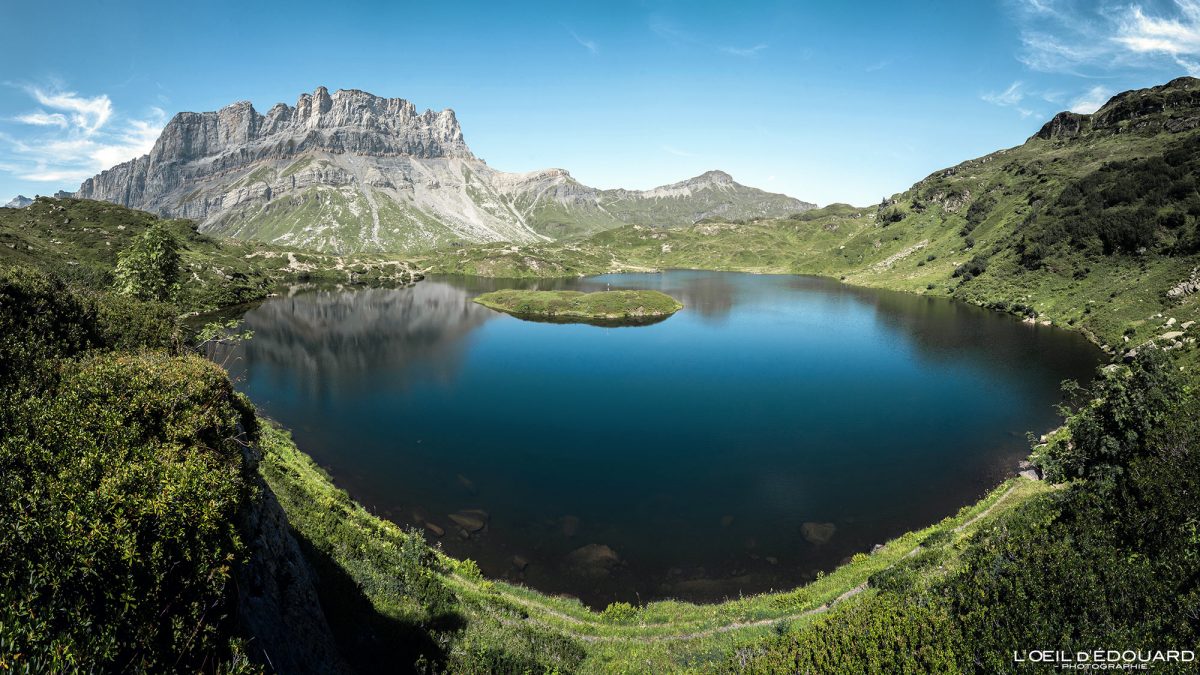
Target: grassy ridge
[570,305]
[78,240]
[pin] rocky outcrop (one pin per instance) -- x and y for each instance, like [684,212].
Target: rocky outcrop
[1171,107]
[18,202]
[1064,125]
[350,171]
[278,607]
[1186,287]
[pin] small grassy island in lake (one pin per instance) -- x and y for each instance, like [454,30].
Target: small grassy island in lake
[606,307]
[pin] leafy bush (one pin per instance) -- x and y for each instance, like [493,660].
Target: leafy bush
[889,215]
[886,634]
[128,324]
[978,212]
[121,479]
[1130,410]
[972,268]
[39,321]
[149,268]
[121,488]
[619,612]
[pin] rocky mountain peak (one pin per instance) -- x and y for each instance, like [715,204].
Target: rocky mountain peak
[714,177]
[18,202]
[347,121]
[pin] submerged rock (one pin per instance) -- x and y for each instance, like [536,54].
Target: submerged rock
[467,484]
[593,560]
[471,521]
[435,529]
[818,533]
[570,525]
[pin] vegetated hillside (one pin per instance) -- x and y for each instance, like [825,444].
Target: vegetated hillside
[79,239]
[350,172]
[1091,223]
[129,516]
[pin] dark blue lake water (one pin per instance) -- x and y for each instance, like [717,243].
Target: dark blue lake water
[771,429]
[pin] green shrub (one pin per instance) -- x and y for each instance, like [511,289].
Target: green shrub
[1130,411]
[619,612]
[883,635]
[130,324]
[40,320]
[972,268]
[121,488]
[149,268]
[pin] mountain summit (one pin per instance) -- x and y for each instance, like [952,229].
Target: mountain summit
[351,171]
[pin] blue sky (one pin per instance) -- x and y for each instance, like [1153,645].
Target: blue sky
[827,102]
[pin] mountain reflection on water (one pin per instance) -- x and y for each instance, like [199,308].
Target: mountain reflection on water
[773,427]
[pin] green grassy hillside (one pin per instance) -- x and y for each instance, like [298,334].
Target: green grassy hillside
[78,240]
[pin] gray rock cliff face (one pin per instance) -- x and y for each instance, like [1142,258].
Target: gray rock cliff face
[350,171]
[197,145]
[277,596]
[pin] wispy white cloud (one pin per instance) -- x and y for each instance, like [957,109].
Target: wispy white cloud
[1093,39]
[1091,100]
[89,114]
[42,118]
[1009,98]
[745,51]
[73,137]
[1177,37]
[670,31]
[589,45]
[878,65]
[676,151]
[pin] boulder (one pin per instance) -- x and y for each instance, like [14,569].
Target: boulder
[593,561]
[435,529]
[818,533]
[470,522]
[467,484]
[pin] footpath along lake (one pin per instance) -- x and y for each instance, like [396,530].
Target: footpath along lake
[769,430]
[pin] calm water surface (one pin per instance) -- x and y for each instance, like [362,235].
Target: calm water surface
[771,429]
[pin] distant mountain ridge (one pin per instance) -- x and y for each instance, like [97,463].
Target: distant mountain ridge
[350,171]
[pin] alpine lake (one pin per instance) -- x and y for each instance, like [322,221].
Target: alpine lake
[768,431]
